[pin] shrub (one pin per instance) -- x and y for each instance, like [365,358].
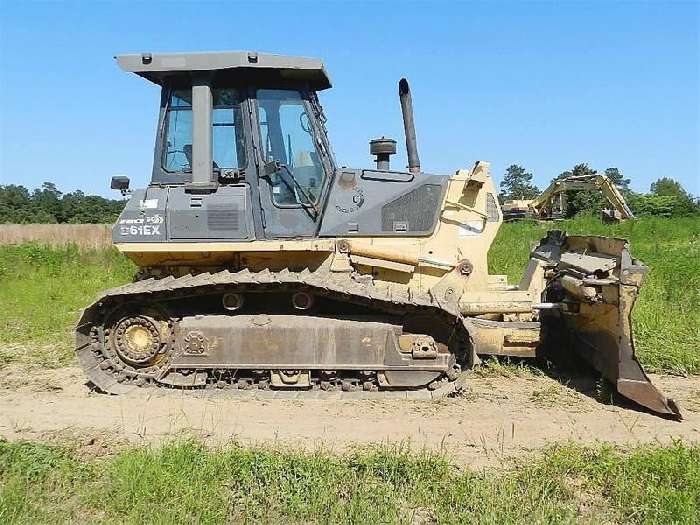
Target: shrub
[664,205]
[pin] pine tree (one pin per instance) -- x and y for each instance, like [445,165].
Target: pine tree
[517,184]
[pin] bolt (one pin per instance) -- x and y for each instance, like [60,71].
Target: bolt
[465,267]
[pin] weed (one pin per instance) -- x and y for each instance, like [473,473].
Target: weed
[184,482]
[554,394]
[506,367]
[42,291]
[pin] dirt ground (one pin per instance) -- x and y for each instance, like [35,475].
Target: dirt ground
[494,418]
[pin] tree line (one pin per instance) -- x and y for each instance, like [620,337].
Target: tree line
[47,204]
[666,196]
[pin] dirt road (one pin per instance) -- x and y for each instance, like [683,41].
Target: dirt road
[494,417]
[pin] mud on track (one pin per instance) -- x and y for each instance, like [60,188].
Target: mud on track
[494,418]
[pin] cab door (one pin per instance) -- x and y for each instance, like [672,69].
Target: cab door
[291,171]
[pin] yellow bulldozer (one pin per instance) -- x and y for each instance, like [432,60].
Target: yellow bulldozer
[265,266]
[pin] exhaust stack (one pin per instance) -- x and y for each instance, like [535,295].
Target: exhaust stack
[409,126]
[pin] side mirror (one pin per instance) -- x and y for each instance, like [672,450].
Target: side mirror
[121,183]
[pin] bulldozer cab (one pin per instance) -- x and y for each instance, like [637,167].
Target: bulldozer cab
[245,121]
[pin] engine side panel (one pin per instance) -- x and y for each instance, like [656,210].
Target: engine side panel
[225,214]
[383,204]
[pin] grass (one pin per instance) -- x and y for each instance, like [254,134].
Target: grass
[42,290]
[554,395]
[507,367]
[185,482]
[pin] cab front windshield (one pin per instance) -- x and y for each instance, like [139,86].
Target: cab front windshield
[287,136]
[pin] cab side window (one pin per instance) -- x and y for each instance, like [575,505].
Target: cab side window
[177,153]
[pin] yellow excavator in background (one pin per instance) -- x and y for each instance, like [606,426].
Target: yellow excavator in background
[551,203]
[545,206]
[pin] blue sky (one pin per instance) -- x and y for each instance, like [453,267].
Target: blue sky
[544,85]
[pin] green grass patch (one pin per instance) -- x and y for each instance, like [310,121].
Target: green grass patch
[666,318]
[185,482]
[507,367]
[42,291]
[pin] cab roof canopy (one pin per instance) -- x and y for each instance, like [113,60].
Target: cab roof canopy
[162,68]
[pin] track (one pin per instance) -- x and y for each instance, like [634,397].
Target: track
[160,309]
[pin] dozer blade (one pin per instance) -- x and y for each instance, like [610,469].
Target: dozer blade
[596,282]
